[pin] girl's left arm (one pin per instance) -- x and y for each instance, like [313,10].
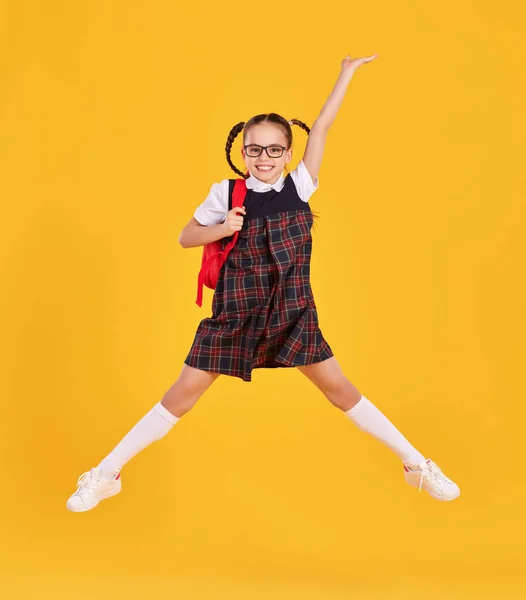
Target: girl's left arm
[318,133]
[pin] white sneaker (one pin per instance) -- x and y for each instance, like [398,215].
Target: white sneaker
[431,478]
[91,489]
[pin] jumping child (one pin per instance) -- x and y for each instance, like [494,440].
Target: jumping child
[263,309]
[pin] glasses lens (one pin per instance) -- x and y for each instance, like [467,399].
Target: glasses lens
[253,150]
[275,151]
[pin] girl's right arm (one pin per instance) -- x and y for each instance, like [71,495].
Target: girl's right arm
[196,234]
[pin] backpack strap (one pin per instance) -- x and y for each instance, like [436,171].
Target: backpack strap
[231,183]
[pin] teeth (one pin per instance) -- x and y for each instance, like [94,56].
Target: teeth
[265,168]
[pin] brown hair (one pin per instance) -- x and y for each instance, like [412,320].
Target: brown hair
[263,118]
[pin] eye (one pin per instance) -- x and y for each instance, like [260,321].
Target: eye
[275,150]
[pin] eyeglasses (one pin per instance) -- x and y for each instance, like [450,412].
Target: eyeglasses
[274,151]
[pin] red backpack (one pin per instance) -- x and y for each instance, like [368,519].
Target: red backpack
[213,255]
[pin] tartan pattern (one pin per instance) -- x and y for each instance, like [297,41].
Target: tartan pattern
[263,309]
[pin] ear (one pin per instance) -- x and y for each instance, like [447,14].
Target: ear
[288,156]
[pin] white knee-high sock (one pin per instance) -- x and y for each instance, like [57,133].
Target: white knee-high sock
[368,418]
[152,427]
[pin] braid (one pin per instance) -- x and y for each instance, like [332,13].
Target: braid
[300,124]
[307,129]
[288,125]
[234,132]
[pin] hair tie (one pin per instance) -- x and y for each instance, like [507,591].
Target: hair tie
[291,123]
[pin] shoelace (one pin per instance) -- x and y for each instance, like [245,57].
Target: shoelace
[433,473]
[85,483]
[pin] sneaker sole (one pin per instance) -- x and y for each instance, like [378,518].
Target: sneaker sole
[85,509]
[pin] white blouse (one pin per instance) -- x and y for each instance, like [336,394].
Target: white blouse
[215,207]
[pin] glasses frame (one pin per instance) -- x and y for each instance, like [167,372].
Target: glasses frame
[283,148]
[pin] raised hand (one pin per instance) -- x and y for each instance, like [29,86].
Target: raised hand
[349,65]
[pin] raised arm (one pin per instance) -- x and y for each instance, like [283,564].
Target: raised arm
[318,133]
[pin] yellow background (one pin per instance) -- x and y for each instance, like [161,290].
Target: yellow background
[114,116]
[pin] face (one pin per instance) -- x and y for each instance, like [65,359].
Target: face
[266,134]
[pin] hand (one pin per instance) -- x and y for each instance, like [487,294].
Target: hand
[349,65]
[233,221]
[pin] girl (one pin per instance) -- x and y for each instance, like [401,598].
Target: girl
[263,310]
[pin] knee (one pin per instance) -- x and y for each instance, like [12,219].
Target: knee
[336,386]
[180,398]
[342,393]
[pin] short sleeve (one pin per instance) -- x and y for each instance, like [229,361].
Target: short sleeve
[215,206]
[303,182]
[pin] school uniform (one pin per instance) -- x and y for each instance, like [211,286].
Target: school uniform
[263,309]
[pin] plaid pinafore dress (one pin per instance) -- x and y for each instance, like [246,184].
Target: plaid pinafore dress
[263,309]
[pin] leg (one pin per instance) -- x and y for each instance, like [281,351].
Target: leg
[104,481]
[178,400]
[418,472]
[329,378]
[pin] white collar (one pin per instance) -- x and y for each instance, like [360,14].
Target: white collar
[253,183]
